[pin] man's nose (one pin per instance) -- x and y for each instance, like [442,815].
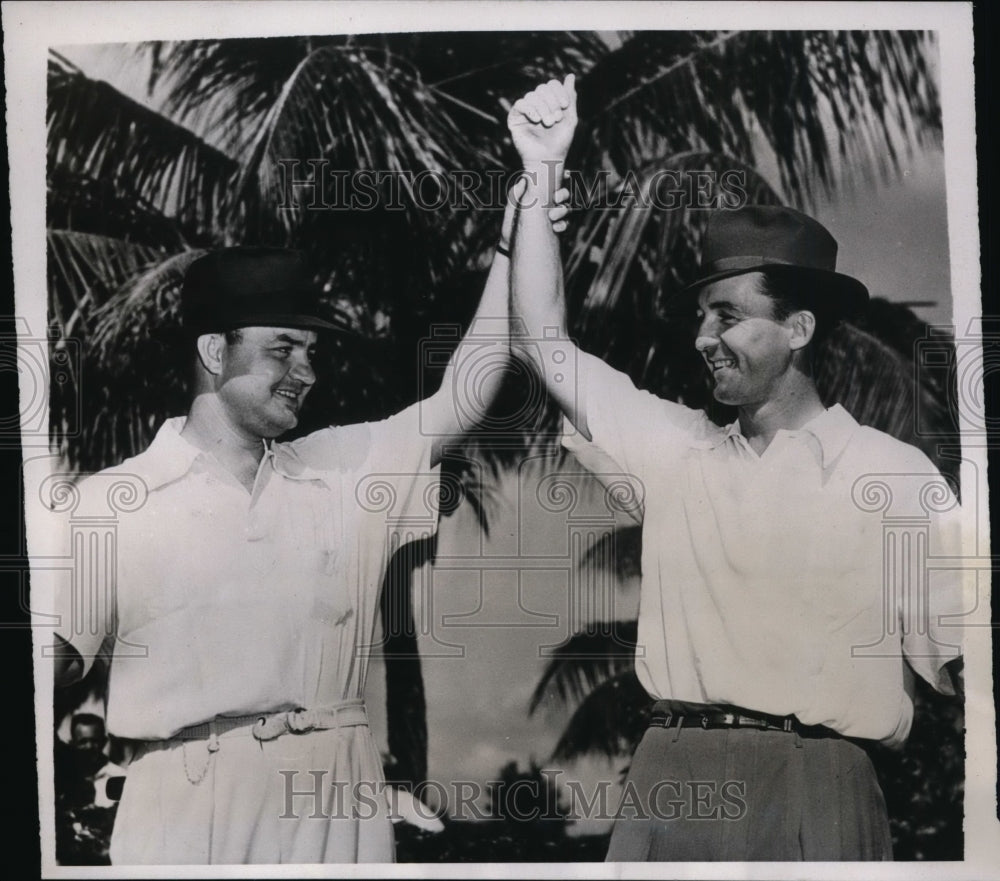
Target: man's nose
[706,339]
[707,336]
[304,372]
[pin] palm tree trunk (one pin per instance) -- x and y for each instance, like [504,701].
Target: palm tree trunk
[406,707]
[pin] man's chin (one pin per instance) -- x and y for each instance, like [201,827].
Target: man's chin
[287,415]
[724,397]
[277,427]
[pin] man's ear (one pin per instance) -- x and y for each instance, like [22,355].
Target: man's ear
[211,347]
[803,326]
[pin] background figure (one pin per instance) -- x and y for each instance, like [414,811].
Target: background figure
[88,785]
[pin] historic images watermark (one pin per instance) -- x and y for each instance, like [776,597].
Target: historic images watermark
[86,520]
[958,364]
[585,592]
[315,185]
[316,795]
[42,365]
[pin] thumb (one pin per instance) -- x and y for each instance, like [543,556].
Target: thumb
[570,84]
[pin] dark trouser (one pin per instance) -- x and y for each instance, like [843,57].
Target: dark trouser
[740,794]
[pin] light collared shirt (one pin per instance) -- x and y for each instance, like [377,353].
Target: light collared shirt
[225,602]
[792,582]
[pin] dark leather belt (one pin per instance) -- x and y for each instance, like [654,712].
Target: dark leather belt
[691,716]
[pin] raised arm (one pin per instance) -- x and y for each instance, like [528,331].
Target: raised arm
[542,125]
[475,370]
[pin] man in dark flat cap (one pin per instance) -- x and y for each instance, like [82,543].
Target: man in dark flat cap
[244,589]
[780,624]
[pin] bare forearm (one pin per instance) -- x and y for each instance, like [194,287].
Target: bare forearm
[485,338]
[538,310]
[476,368]
[536,268]
[457,406]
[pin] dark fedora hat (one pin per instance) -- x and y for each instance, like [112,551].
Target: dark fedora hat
[250,287]
[757,238]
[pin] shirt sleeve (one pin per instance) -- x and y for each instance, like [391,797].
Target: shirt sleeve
[77,570]
[630,428]
[924,544]
[389,463]
[399,464]
[932,630]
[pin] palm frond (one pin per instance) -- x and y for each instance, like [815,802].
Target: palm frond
[603,650]
[789,93]
[881,387]
[149,300]
[341,105]
[610,721]
[618,553]
[83,271]
[474,479]
[223,88]
[475,73]
[134,366]
[106,208]
[661,196]
[97,132]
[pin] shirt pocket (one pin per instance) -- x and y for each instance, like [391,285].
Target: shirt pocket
[313,513]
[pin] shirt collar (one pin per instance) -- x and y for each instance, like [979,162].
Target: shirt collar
[832,429]
[171,456]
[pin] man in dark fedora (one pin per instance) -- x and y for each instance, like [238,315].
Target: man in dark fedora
[770,635]
[244,586]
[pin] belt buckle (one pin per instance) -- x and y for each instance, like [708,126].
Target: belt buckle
[662,720]
[302,721]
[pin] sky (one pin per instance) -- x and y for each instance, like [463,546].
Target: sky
[486,631]
[480,669]
[894,236]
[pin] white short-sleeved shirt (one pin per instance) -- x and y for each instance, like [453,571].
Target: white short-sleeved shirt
[231,604]
[779,582]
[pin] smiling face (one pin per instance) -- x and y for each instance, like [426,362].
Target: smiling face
[266,373]
[748,350]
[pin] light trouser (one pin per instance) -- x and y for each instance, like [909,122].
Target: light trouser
[220,795]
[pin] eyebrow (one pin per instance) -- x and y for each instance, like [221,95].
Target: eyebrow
[287,338]
[720,304]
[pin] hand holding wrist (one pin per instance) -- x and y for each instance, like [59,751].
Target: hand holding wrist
[544,177]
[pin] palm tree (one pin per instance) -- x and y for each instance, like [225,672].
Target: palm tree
[135,193]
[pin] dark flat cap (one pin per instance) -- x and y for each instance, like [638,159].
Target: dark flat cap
[250,287]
